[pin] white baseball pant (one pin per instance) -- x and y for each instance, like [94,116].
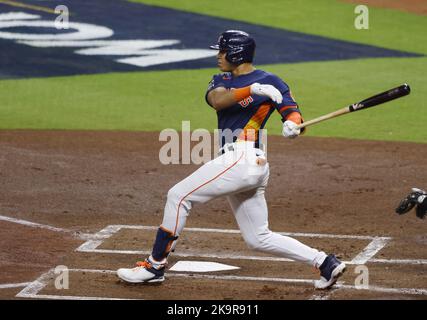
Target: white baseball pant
[241,175]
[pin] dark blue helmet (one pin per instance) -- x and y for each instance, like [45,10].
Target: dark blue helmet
[240,47]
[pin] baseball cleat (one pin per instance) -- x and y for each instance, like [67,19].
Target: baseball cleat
[145,272]
[330,270]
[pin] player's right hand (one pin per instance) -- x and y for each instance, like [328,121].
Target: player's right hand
[267,90]
[290,129]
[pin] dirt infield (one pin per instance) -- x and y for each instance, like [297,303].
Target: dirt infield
[338,195]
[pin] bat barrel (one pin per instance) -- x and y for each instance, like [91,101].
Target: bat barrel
[382,97]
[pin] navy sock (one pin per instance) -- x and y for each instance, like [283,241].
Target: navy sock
[162,245]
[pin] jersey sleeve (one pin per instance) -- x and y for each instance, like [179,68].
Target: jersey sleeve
[288,105]
[218,80]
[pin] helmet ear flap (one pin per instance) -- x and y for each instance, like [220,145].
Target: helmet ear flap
[240,54]
[234,55]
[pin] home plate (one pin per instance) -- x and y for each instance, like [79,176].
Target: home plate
[201,266]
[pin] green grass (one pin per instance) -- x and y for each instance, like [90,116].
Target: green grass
[122,101]
[136,101]
[156,100]
[387,28]
[320,91]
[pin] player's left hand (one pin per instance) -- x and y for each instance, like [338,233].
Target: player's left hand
[290,129]
[267,90]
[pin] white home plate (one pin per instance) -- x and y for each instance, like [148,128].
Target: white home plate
[201,266]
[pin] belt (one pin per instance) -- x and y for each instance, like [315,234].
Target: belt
[240,145]
[226,148]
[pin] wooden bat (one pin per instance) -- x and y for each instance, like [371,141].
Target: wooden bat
[376,100]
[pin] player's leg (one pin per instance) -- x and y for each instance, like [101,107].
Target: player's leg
[250,210]
[225,175]
[228,174]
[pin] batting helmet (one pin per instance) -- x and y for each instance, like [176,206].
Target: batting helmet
[239,46]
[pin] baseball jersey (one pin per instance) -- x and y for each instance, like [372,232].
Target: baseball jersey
[243,120]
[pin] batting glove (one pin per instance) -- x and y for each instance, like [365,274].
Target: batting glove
[267,91]
[290,129]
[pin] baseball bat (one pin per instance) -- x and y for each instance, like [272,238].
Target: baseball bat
[375,100]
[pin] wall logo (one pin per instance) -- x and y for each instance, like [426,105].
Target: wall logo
[92,40]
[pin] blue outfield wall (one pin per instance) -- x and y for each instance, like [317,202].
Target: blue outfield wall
[115,35]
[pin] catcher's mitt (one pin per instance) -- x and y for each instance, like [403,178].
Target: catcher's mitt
[417,198]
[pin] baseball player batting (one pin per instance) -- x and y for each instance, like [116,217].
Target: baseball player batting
[244,98]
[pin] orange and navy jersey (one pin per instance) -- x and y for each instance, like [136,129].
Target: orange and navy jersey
[243,120]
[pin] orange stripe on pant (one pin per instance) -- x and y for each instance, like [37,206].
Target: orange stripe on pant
[183,198]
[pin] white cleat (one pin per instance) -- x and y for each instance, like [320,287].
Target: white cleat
[144,272]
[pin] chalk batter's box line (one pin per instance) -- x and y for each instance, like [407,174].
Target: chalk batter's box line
[33,289]
[376,244]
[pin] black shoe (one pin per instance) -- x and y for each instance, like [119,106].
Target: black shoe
[330,270]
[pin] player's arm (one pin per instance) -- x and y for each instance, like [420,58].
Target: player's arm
[222,98]
[290,112]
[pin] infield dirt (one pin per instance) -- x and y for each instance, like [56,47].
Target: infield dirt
[84,181]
